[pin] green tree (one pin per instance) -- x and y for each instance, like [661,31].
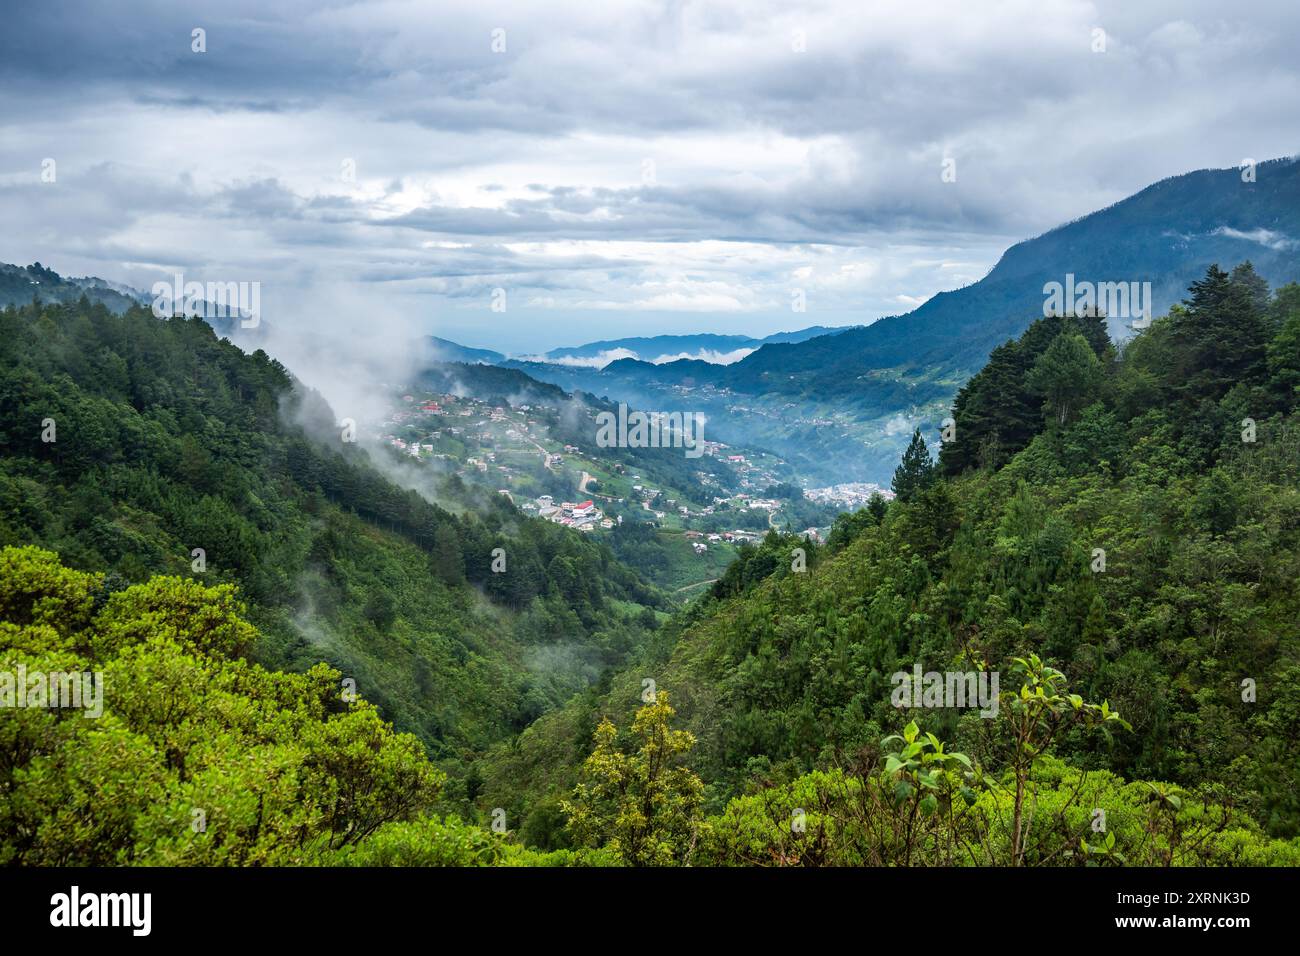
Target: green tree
[1221,334]
[198,757]
[1037,715]
[916,471]
[1066,376]
[644,806]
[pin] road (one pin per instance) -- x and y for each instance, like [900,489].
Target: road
[695,585]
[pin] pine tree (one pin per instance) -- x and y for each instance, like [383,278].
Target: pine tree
[916,470]
[1221,335]
[1065,376]
[996,412]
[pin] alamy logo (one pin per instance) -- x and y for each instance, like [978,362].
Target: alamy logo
[1118,300]
[651,430]
[58,689]
[934,689]
[103,909]
[215,300]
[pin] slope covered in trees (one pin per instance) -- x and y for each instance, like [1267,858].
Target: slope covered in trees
[130,442]
[194,756]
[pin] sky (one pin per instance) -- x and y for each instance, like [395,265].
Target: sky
[611,169]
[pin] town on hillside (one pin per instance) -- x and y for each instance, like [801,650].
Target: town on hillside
[536,456]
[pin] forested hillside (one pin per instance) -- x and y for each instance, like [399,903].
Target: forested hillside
[130,442]
[19,285]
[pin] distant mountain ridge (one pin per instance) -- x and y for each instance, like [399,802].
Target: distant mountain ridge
[656,348]
[444,350]
[861,391]
[1166,234]
[20,284]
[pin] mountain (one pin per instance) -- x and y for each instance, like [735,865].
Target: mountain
[1131,565]
[19,285]
[843,405]
[444,350]
[657,348]
[490,383]
[1167,234]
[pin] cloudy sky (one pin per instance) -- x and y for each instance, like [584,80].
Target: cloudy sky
[617,168]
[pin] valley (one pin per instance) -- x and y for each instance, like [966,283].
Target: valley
[697,510]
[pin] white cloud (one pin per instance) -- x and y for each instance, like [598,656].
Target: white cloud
[1264,237]
[706,355]
[619,164]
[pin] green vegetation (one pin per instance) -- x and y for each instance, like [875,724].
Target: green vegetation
[165,439]
[642,807]
[199,758]
[667,557]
